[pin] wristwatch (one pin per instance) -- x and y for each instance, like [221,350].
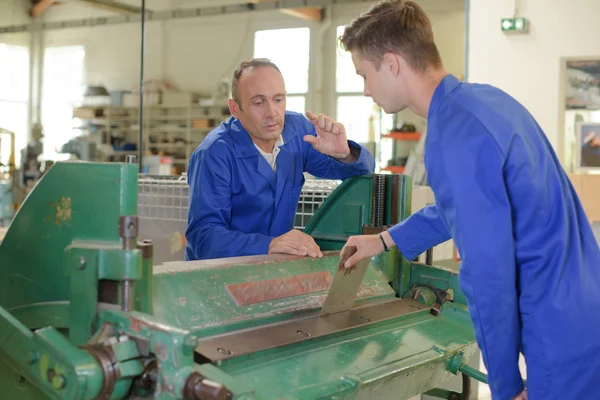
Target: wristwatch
[383,242]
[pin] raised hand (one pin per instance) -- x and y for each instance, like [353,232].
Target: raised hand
[331,136]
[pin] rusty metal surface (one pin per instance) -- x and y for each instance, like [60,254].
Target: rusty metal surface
[272,289]
[373,230]
[193,295]
[267,337]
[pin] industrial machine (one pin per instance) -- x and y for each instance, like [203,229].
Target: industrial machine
[84,313]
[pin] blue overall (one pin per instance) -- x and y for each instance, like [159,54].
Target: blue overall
[530,264]
[237,203]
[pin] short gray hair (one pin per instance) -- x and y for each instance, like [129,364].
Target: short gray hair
[245,66]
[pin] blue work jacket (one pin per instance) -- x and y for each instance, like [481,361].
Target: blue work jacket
[530,265]
[237,203]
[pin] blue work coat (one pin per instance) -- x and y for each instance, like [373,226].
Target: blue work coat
[237,203]
[530,265]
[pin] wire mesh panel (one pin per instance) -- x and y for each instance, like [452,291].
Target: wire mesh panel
[167,198]
[162,210]
[163,203]
[163,197]
[312,196]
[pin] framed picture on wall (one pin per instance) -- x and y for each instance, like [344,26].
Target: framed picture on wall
[583,84]
[587,153]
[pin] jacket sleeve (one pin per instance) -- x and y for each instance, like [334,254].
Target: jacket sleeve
[467,174]
[326,167]
[208,233]
[419,232]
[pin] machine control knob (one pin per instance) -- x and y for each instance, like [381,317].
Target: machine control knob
[199,388]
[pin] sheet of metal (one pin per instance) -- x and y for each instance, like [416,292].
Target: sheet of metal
[345,284]
[224,347]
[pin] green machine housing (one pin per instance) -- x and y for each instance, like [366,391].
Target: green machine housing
[84,314]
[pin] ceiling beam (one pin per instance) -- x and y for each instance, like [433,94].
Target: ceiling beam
[40,7]
[111,5]
[309,13]
[199,12]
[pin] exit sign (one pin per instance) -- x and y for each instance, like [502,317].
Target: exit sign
[520,25]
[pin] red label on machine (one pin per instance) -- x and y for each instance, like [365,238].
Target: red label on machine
[272,289]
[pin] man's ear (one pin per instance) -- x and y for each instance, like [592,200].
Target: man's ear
[234,108]
[391,63]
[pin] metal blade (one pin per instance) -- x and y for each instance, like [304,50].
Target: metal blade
[345,285]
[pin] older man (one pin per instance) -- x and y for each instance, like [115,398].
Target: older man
[246,177]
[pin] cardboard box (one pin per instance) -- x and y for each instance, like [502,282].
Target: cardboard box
[172,98]
[88,112]
[198,123]
[590,196]
[157,165]
[587,187]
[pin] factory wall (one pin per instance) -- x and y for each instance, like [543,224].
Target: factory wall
[527,66]
[195,54]
[13,12]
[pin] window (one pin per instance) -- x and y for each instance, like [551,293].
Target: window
[354,110]
[293,61]
[346,79]
[62,90]
[14,94]
[360,115]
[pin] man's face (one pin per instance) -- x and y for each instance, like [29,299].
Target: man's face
[262,97]
[381,84]
[595,142]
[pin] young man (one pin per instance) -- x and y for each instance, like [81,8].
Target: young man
[246,177]
[530,263]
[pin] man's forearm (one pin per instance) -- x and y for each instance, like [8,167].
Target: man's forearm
[219,242]
[420,231]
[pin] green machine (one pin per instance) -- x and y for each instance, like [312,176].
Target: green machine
[84,314]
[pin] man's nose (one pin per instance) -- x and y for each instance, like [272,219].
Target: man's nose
[273,109]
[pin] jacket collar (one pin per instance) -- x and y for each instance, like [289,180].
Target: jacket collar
[244,144]
[446,86]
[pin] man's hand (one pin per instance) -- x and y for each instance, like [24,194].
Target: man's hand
[331,137]
[367,246]
[296,243]
[522,395]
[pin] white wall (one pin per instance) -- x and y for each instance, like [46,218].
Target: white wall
[14,12]
[528,66]
[194,54]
